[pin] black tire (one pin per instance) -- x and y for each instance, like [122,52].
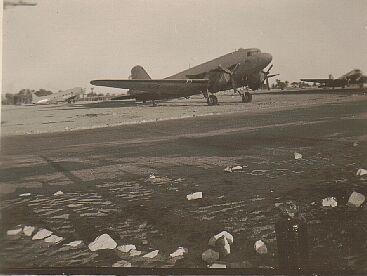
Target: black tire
[247,97]
[212,100]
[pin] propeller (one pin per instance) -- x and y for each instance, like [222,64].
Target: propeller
[267,76]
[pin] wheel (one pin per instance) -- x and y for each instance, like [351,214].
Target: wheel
[212,100]
[247,97]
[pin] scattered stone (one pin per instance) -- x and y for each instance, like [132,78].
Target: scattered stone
[14,232]
[277,204]
[179,252]
[329,202]
[355,144]
[237,168]
[210,256]
[225,234]
[134,252]
[193,196]
[26,194]
[218,265]
[122,263]
[297,156]
[260,247]
[41,234]
[28,230]
[67,128]
[58,193]
[356,199]
[223,246]
[361,172]
[54,239]
[126,248]
[102,242]
[74,243]
[228,169]
[152,176]
[152,254]
[233,169]
[313,203]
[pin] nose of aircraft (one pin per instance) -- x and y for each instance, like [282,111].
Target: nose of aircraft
[266,58]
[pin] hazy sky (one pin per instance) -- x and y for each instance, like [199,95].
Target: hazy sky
[65,43]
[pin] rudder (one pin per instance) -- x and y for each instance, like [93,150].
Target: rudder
[139,73]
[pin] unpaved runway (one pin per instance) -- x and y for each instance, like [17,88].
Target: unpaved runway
[104,175]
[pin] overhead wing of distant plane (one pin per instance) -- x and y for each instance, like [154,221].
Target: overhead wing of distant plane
[328,82]
[154,85]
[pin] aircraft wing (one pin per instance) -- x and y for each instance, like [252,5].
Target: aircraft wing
[155,85]
[318,80]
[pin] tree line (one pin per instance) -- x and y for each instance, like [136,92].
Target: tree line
[24,96]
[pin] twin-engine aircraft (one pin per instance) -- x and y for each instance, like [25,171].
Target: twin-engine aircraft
[63,96]
[242,68]
[353,77]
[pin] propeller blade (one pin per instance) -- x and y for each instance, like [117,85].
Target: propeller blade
[267,83]
[270,76]
[271,66]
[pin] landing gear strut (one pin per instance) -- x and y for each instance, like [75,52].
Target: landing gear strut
[246,97]
[212,100]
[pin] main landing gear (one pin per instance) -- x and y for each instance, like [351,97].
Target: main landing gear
[246,97]
[212,100]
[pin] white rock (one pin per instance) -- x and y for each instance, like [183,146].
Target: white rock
[122,263]
[223,246]
[102,242]
[28,230]
[58,193]
[193,196]
[329,202]
[74,243]
[297,156]
[152,254]
[26,194]
[126,248]
[260,247]
[14,232]
[210,256]
[228,169]
[152,176]
[54,239]
[356,199]
[179,252]
[361,172]
[217,265]
[237,168]
[135,253]
[355,144]
[41,234]
[227,235]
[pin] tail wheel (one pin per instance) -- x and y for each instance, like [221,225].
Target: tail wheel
[212,100]
[247,97]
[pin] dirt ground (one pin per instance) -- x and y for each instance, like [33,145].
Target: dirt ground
[104,174]
[32,119]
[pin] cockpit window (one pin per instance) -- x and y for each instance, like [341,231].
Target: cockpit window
[253,52]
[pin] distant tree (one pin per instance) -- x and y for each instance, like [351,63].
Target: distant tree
[43,92]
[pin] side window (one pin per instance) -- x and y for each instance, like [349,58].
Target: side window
[248,54]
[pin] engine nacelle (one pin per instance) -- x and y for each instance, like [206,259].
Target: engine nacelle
[255,81]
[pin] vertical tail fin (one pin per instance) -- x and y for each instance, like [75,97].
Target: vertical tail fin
[139,73]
